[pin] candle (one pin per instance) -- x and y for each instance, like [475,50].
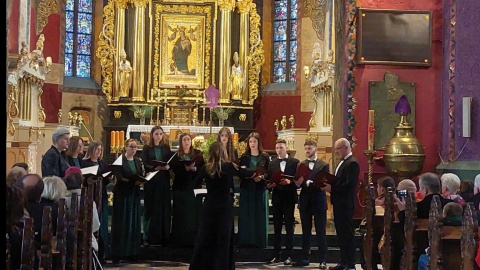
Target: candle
[371,128]
[122,138]
[117,138]
[112,139]
[235,137]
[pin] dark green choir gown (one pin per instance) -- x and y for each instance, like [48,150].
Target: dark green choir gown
[253,205]
[185,206]
[126,232]
[157,197]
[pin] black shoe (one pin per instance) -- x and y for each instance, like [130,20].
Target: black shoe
[322,265]
[301,263]
[274,260]
[288,261]
[337,267]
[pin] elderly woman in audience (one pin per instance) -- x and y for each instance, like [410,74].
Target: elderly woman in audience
[450,187]
[54,189]
[73,181]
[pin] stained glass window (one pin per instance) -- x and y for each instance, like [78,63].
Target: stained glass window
[78,38]
[285,41]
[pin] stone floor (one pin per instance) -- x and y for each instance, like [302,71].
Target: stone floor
[166,265]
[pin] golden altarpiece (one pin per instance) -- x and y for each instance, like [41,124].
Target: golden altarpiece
[164,54]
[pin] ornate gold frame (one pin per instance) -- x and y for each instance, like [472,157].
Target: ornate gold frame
[188,16]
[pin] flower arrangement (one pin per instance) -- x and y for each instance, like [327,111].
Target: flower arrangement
[181,90]
[222,113]
[206,145]
[141,111]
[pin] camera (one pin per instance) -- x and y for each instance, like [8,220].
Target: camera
[402,193]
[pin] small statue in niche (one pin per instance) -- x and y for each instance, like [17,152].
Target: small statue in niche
[292,121]
[236,79]
[70,118]
[125,72]
[195,116]
[283,122]
[276,124]
[59,116]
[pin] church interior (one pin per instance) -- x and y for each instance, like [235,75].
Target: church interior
[297,70]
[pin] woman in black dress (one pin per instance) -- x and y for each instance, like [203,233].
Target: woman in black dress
[126,216]
[213,248]
[157,194]
[184,212]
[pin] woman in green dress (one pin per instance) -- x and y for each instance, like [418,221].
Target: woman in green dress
[253,202]
[185,165]
[157,194]
[126,231]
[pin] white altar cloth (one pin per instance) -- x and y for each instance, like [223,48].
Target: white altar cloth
[166,129]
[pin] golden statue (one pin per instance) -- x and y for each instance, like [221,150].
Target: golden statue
[292,121]
[276,125]
[70,118]
[283,122]
[236,79]
[59,116]
[125,72]
[40,41]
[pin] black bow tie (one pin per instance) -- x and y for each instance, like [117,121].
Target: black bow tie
[311,161]
[282,159]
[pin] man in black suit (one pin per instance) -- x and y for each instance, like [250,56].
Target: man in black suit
[342,197]
[313,202]
[284,198]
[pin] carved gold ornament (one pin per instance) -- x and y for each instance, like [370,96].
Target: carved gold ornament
[117,114]
[317,10]
[106,49]
[242,117]
[44,9]
[256,57]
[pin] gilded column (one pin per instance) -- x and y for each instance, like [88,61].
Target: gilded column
[120,5]
[139,51]
[244,9]
[225,51]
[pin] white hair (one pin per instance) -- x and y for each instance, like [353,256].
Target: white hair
[477,181]
[54,188]
[451,181]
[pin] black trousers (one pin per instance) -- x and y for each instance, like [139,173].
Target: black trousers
[343,218]
[314,204]
[282,211]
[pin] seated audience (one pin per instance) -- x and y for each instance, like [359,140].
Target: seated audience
[15,173]
[21,165]
[466,190]
[408,185]
[32,185]
[15,199]
[452,214]
[450,186]
[476,193]
[54,189]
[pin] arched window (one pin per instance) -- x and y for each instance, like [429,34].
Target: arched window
[78,38]
[285,41]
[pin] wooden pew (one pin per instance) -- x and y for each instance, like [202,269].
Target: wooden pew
[469,237]
[85,228]
[28,245]
[386,250]
[45,252]
[59,252]
[368,237]
[410,250]
[435,234]
[72,234]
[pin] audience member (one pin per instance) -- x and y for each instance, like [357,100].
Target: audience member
[450,186]
[476,193]
[22,165]
[14,174]
[15,203]
[466,190]
[452,214]
[54,189]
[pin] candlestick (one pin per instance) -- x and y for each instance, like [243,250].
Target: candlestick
[122,139]
[371,129]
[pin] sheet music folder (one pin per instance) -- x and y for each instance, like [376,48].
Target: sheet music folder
[90,171]
[115,166]
[278,176]
[145,179]
[195,159]
[156,163]
[323,177]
